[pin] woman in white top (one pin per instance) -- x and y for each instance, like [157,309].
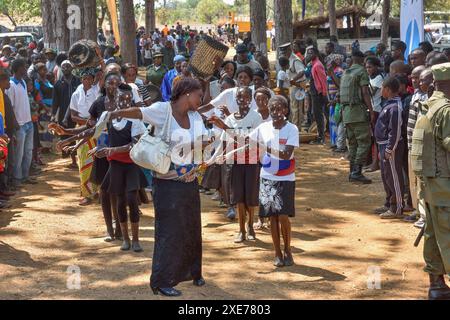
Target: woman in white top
[80,103]
[177,254]
[225,103]
[245,171]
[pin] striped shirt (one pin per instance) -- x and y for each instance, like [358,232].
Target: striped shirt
[144,92]
[417,98]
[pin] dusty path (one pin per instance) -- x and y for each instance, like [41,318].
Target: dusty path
[337,242]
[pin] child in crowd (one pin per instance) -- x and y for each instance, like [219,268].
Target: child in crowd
[341,143]
[283,80]
[277,183]
[245,170]
[388,133]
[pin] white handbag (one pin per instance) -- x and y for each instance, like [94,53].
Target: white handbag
[153,152]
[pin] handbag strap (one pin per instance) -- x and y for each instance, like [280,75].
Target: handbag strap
[167,125]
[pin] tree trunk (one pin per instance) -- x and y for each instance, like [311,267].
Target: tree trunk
[59,10]
[102,15]
[283,21]
[357,26]
[90,20]
[332,17]
[127,31]
[385,22]
[48,26]
[321,8]
[258,24]
[150,21]
[76,30]
[108,16]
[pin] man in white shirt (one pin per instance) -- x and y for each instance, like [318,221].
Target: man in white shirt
[23,152]
[83,97]
[295,72]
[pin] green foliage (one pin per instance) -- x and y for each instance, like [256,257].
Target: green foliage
[19,11]
[208,11]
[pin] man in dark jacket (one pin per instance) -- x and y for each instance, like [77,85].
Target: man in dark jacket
[62,94]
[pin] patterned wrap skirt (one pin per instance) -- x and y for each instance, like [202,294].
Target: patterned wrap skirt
[276,198]
[85,163]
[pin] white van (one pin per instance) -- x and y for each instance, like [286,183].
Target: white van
[24,37]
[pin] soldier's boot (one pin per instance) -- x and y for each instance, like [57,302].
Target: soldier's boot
[352,167]
[357,176]
[438,289]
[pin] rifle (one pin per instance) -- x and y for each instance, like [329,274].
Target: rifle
[419,237]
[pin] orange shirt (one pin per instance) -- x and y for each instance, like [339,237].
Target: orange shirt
[165,31]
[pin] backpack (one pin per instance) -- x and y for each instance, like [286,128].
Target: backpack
[350,90]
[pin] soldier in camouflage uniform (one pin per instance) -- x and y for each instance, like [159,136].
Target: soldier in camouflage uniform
[356,109]
[430,155]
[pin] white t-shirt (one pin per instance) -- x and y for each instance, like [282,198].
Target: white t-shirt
[18,95]
[375,89]
[268,119]
[137,126]
[228,98]
[156,114]
[135,90]
[243,127]
[82,101]
[283,76]
[269,136]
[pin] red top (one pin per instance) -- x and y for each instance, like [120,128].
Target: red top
[319,76]
[121,157]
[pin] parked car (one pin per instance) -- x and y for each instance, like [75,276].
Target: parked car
[24,37]
[36,29]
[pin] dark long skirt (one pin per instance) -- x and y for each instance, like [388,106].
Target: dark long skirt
[177,254]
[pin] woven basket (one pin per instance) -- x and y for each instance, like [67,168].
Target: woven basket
[201,63]
[83,54]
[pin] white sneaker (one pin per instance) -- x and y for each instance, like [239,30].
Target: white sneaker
[420,223]
[216,196]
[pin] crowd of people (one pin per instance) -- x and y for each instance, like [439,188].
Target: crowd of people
[365,103]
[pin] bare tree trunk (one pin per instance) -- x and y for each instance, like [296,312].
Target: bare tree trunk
[385,22]
[332,17]
[76,32]
[101,17]
[258,24]
[127,31]
[48,25]
[321,7]
[150,21]
[108,16]
[283,21]
[90,20]
[59,10]
[357,25]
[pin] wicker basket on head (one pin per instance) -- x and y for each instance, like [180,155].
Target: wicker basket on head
[83,54]
[202,62]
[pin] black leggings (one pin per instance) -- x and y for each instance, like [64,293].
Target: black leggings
[130,199]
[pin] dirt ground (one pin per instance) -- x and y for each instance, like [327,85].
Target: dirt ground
[338,245]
